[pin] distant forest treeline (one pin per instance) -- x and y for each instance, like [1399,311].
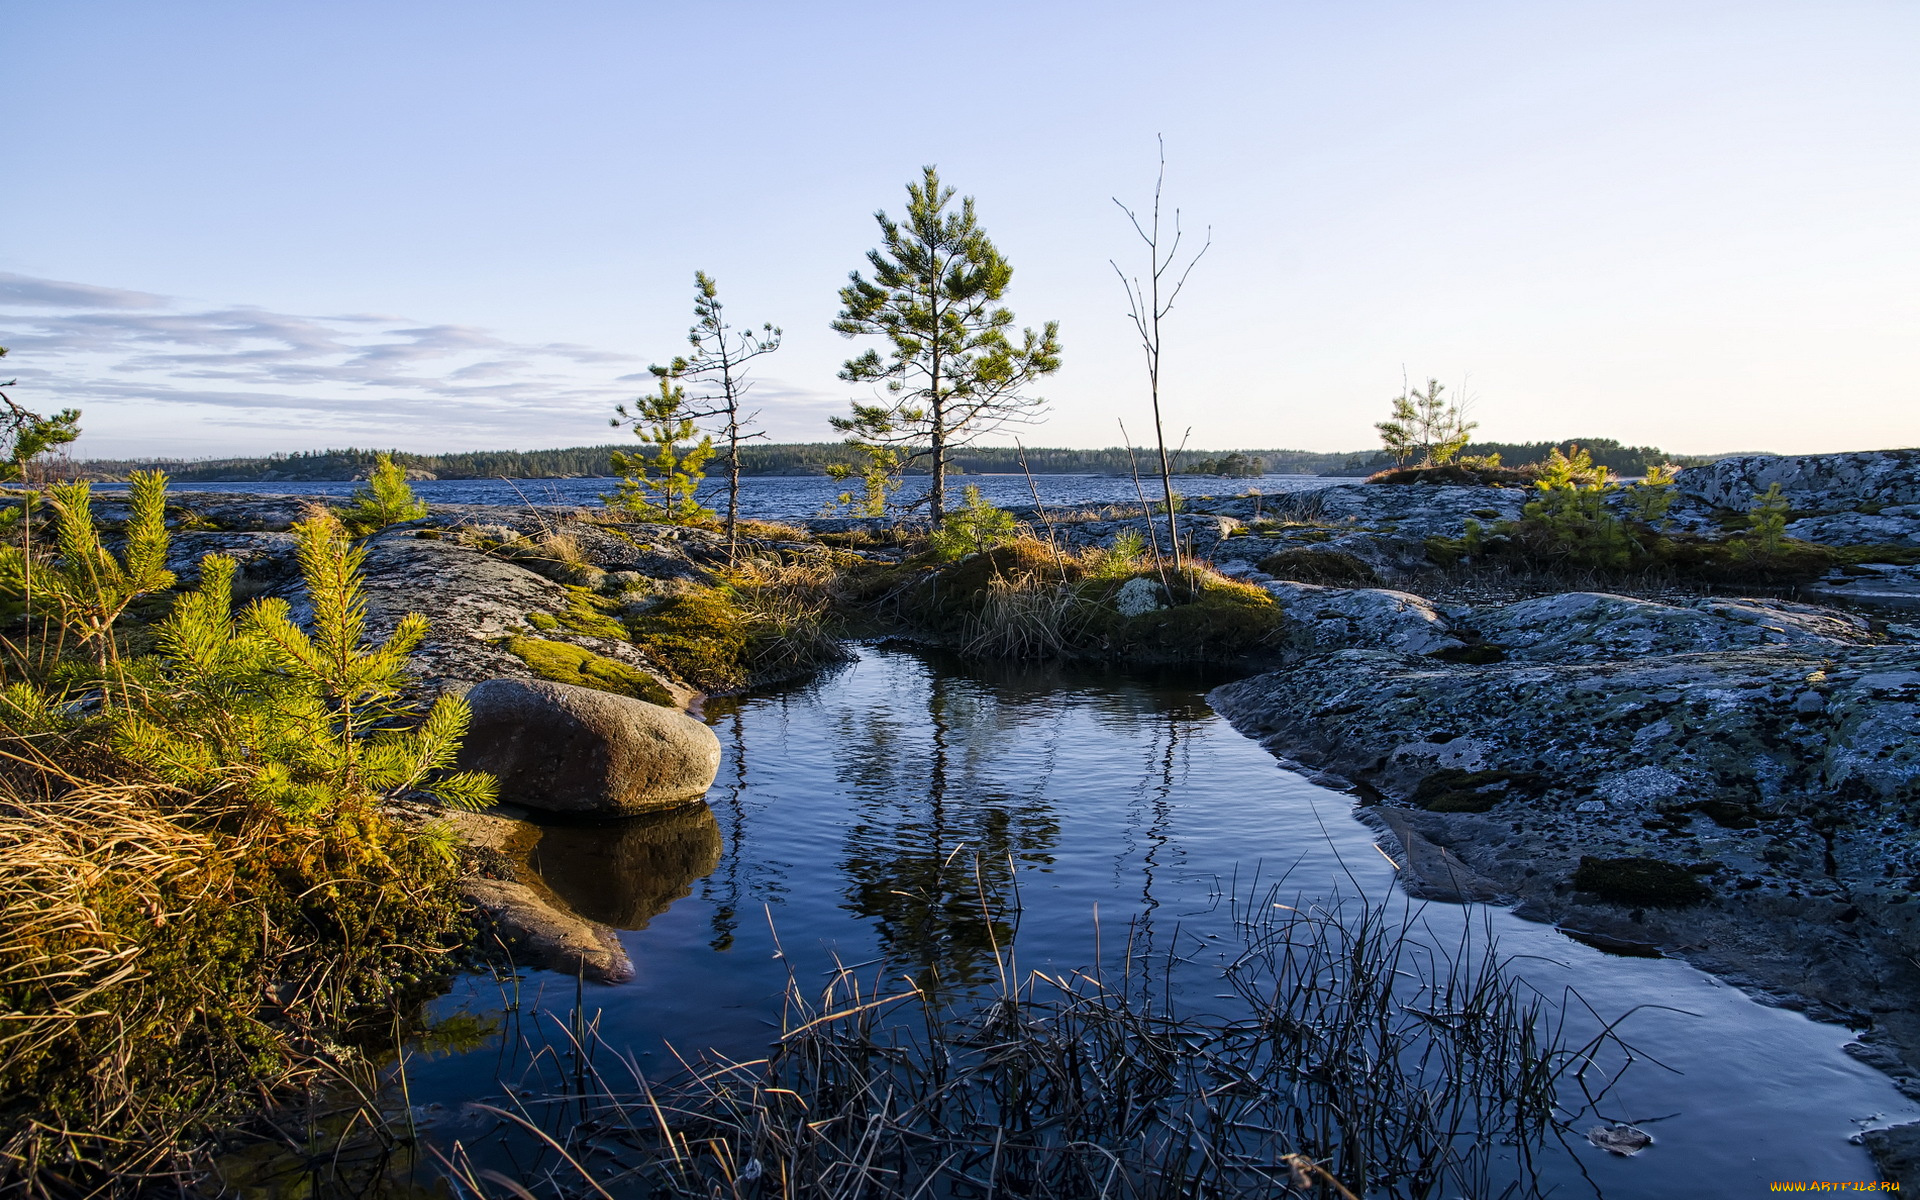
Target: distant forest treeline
[813,458]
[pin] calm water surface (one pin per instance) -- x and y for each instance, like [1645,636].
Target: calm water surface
[848,814]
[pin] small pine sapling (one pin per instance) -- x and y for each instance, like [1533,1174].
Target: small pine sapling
[719,362]
[1650,499]
[976,528]
[88,584]
[1767,519]
[879,477]
[309,725]
[1570,515]
[386,500]
[661,487]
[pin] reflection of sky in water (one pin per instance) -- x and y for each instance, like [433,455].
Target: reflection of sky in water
[866,814]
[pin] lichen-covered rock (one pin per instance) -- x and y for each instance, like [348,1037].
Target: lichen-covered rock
[1315,549]
[1786,776]
[1326,618]
[1200,533]
[578,751]
[1137,597]
[1419,510]
[1897,526]
[1595,626]
[264,562]
[1812,483]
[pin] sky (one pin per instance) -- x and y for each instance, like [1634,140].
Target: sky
[238,228]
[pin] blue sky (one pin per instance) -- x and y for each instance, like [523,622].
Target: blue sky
[242,227]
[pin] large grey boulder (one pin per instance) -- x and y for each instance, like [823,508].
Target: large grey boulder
[1813,483]
[565,749]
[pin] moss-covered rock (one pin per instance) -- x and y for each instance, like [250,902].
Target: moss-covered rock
[587,614]
[1317,565]
[563,662]
[700,635]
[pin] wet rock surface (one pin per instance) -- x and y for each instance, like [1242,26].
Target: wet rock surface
[520,914]
[1896,1151]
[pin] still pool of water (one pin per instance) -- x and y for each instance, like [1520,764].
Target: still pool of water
[848,813]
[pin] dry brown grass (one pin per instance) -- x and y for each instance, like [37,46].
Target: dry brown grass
[83,868]
[772,531]
[168,962]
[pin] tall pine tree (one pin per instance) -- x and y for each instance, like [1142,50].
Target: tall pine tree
[952,373]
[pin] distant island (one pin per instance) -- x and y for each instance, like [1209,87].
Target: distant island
[813,458]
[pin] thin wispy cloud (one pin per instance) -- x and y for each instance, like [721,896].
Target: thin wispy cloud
[154,371]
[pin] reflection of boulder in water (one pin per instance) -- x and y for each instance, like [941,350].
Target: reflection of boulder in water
[625,873]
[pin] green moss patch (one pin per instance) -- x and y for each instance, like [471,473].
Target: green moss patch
[1453,790]
[1651,882]
[1211,618]
[1319,566]
[565,663]
[586,613]
[702,636]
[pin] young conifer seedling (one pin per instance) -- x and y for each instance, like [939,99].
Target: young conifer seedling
[386,500]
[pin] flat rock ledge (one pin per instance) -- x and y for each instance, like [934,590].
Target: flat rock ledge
[520,914]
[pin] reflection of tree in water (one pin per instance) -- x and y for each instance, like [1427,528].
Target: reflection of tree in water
[1150,816]
[932,852]
[626,873]
[724,888]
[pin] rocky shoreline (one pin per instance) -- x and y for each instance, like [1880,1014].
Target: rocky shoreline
[1731,779]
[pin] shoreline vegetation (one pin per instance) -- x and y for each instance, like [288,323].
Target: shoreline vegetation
[819,458]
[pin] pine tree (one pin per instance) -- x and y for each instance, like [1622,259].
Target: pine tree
[952,372]
[385,500]
[719,363]
[310,725]
[1426,423]
[662,487]
[26,435]
[88,584]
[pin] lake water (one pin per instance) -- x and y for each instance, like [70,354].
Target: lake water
[846,817]
[790,497]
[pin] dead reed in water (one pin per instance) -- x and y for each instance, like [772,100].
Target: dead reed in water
[1349,1053]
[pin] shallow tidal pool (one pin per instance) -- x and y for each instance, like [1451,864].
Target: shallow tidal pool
[865,814]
